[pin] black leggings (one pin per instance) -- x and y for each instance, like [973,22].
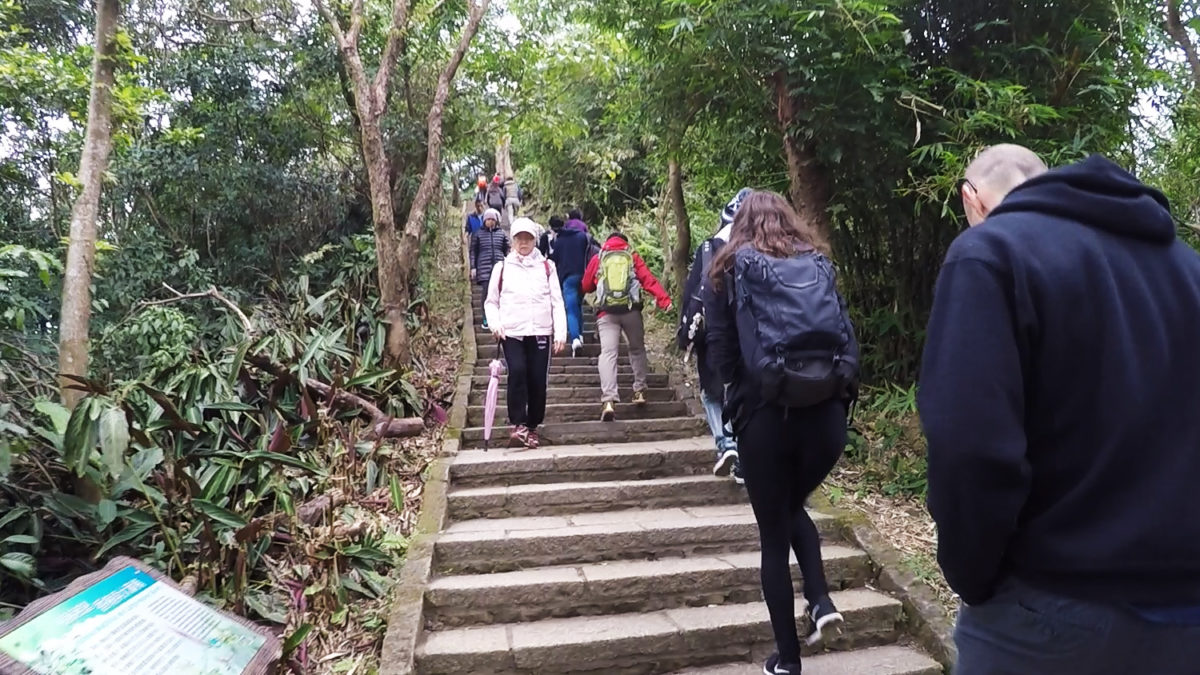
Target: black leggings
[785,454]
[528,372]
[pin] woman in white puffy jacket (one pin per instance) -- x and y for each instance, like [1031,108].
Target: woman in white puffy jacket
[525,312]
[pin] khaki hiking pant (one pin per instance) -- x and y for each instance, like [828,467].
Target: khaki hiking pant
[610,327]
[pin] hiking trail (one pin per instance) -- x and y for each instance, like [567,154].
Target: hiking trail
[613,549]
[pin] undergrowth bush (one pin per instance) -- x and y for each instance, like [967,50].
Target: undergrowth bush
[215,450]
[886,448]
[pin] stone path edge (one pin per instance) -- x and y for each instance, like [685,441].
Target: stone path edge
[406,616]
[924,617]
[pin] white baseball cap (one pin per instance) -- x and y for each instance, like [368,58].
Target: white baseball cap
[526,225]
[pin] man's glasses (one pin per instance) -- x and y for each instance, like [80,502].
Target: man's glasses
[965,181]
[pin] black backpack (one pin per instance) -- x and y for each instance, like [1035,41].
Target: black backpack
[693,328]
[794,332]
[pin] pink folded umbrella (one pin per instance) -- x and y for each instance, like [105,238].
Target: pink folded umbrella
[496,369]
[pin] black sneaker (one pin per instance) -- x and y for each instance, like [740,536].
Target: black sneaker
[822,616]
[726,459]
[737,473]
[774,667]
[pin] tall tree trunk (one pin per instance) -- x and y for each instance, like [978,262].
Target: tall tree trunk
[683,229]
[808,186]
[414,228]
[81,252]
[1178,32]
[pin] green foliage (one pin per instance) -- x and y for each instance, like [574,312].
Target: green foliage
[886,449]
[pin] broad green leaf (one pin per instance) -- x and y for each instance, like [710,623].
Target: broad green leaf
[239,357]
[106,511]
[369,379]
[114,440]
[22,565]
[231,406]
[21,539]
[219,514]
[57,413]
[397,494]
[295,640]
[80,437]
[126,535]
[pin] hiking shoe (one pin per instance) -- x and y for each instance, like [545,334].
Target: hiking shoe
[519,438]
[725,461]
[485,326]
[639,398]
[774,667]
[576,345]
[608,413]
[822,616]
[737,473]
[532,440]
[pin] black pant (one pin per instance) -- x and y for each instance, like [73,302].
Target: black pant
[483,293]
[528,372]
[785,454]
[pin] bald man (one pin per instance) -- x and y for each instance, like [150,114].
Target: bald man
[1060,395]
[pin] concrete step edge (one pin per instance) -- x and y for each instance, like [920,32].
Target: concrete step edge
[886,660]
[505,544]
[617,586]
[621,643]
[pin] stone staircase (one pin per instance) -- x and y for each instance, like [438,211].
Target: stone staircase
[612,549]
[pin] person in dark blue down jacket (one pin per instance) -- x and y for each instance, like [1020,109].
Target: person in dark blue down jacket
[570,255]
[488,246]
[1059,395]
[474,219]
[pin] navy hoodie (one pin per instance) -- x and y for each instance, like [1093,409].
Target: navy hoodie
[1060,395]
[570,252]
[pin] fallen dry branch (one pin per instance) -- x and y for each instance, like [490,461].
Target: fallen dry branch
[382,424]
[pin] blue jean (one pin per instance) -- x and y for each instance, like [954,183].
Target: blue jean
[1027,631]
[722,434]
[572,290]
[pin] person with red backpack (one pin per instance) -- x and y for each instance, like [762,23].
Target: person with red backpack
[780,337]
[525,313]
[618,275]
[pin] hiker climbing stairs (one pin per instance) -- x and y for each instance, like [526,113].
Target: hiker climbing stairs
[613,549]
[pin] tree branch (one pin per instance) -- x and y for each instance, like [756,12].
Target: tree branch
[213,293]
[396,37]
[334,25]
[1179,33]
[429,181]
[356,20]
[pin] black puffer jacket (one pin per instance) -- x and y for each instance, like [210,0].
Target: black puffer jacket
[488,247]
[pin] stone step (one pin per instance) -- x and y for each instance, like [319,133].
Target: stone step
[583,370]
[584,463]
[548,499]
[584,412]
[505,544]
[589,323]
[614,587]
[577,366]
[581,395]
[562,364]
[636,644]
[888,660]
[619,431]
[585,379]
[491,350]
